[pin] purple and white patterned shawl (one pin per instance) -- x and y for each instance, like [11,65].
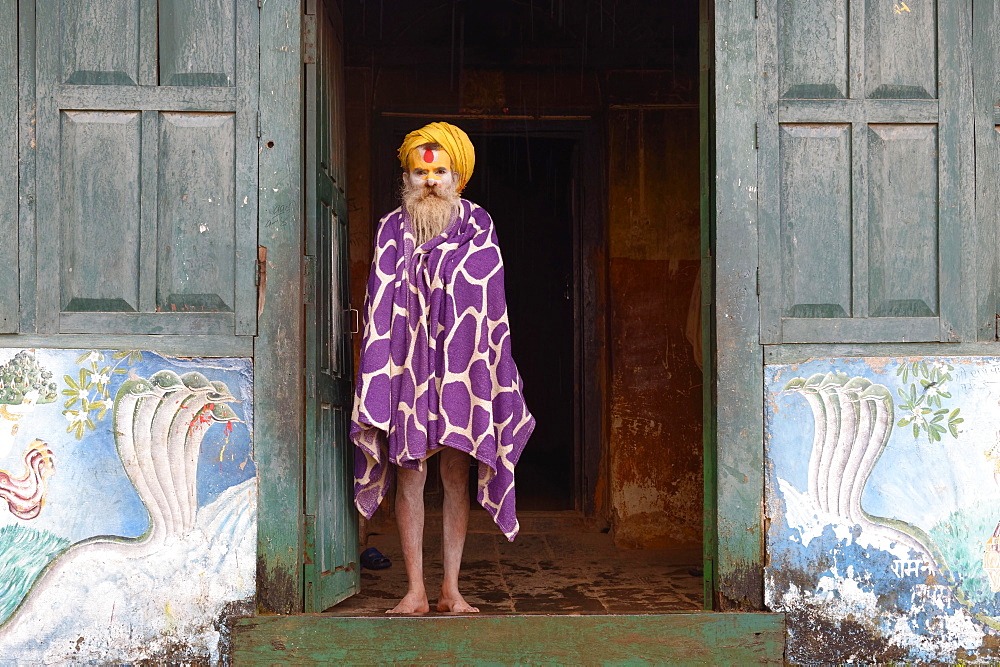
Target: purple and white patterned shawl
[436,367]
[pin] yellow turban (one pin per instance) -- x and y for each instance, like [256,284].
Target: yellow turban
[452,139]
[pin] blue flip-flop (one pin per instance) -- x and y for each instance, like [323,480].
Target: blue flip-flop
[373,559]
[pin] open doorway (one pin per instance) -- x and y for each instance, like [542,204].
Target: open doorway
[585,119]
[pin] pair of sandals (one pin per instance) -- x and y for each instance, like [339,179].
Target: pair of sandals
[373,559]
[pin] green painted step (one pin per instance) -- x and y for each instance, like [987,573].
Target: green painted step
[676,639]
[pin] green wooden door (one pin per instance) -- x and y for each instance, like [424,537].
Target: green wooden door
[864,171]
[145,169]
[331,548]
[9,280]
[986,74]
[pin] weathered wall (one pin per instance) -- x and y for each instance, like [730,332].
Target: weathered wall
[655,449]
[361,216]
[882,500]
[128,530]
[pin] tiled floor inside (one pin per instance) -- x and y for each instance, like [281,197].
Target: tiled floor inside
[553,567]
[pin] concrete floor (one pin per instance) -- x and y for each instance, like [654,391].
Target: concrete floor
[555,566]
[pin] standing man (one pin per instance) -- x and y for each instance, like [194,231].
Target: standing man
[436,372]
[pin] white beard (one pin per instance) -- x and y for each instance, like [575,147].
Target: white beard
[431,210]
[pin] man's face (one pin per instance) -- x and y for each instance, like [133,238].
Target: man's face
[430,169]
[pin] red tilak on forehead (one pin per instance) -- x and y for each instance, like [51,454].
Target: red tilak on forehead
[428,156]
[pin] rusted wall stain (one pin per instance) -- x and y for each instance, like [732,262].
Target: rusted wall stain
[655,448]
[359,197]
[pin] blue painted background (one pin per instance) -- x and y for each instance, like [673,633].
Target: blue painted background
[89,494]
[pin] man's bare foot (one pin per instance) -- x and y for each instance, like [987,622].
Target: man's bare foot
[456,604]
[412,603]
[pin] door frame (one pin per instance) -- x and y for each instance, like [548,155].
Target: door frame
[330,560]
[735,441]
[706,210]
[279,348]
[734,475]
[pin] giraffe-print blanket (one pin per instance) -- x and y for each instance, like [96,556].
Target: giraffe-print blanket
[436,367]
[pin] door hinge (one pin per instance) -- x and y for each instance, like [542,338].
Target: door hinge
[308,278]
[260,278]
[309,530]
[259,133]
[996,326]
[755,2]
[756,136]
[260,274]
[309,38]
[758,281]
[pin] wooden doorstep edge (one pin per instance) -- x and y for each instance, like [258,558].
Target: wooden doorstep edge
[675,638]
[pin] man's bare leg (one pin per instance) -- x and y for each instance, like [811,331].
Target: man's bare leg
[455,481]
[410,521]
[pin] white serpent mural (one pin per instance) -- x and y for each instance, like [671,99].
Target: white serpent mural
[854,418]
[131,496]
[883,503]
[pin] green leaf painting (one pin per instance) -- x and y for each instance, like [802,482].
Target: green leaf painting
[922,400]
[88,398]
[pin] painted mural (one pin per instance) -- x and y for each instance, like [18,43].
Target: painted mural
[127,504]
[883,500]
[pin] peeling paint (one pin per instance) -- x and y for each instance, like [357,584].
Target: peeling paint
[878,542]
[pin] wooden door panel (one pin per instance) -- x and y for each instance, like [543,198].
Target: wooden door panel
[325,300]
[902,220]
[332,573]
[197,42]
[148,221]
[340,349]
[196,215]
[900,49]
[100,41]
[327,496]
[330,57]
[815,172]
[99,201]
[863,171]
[812,46]
[988,210]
